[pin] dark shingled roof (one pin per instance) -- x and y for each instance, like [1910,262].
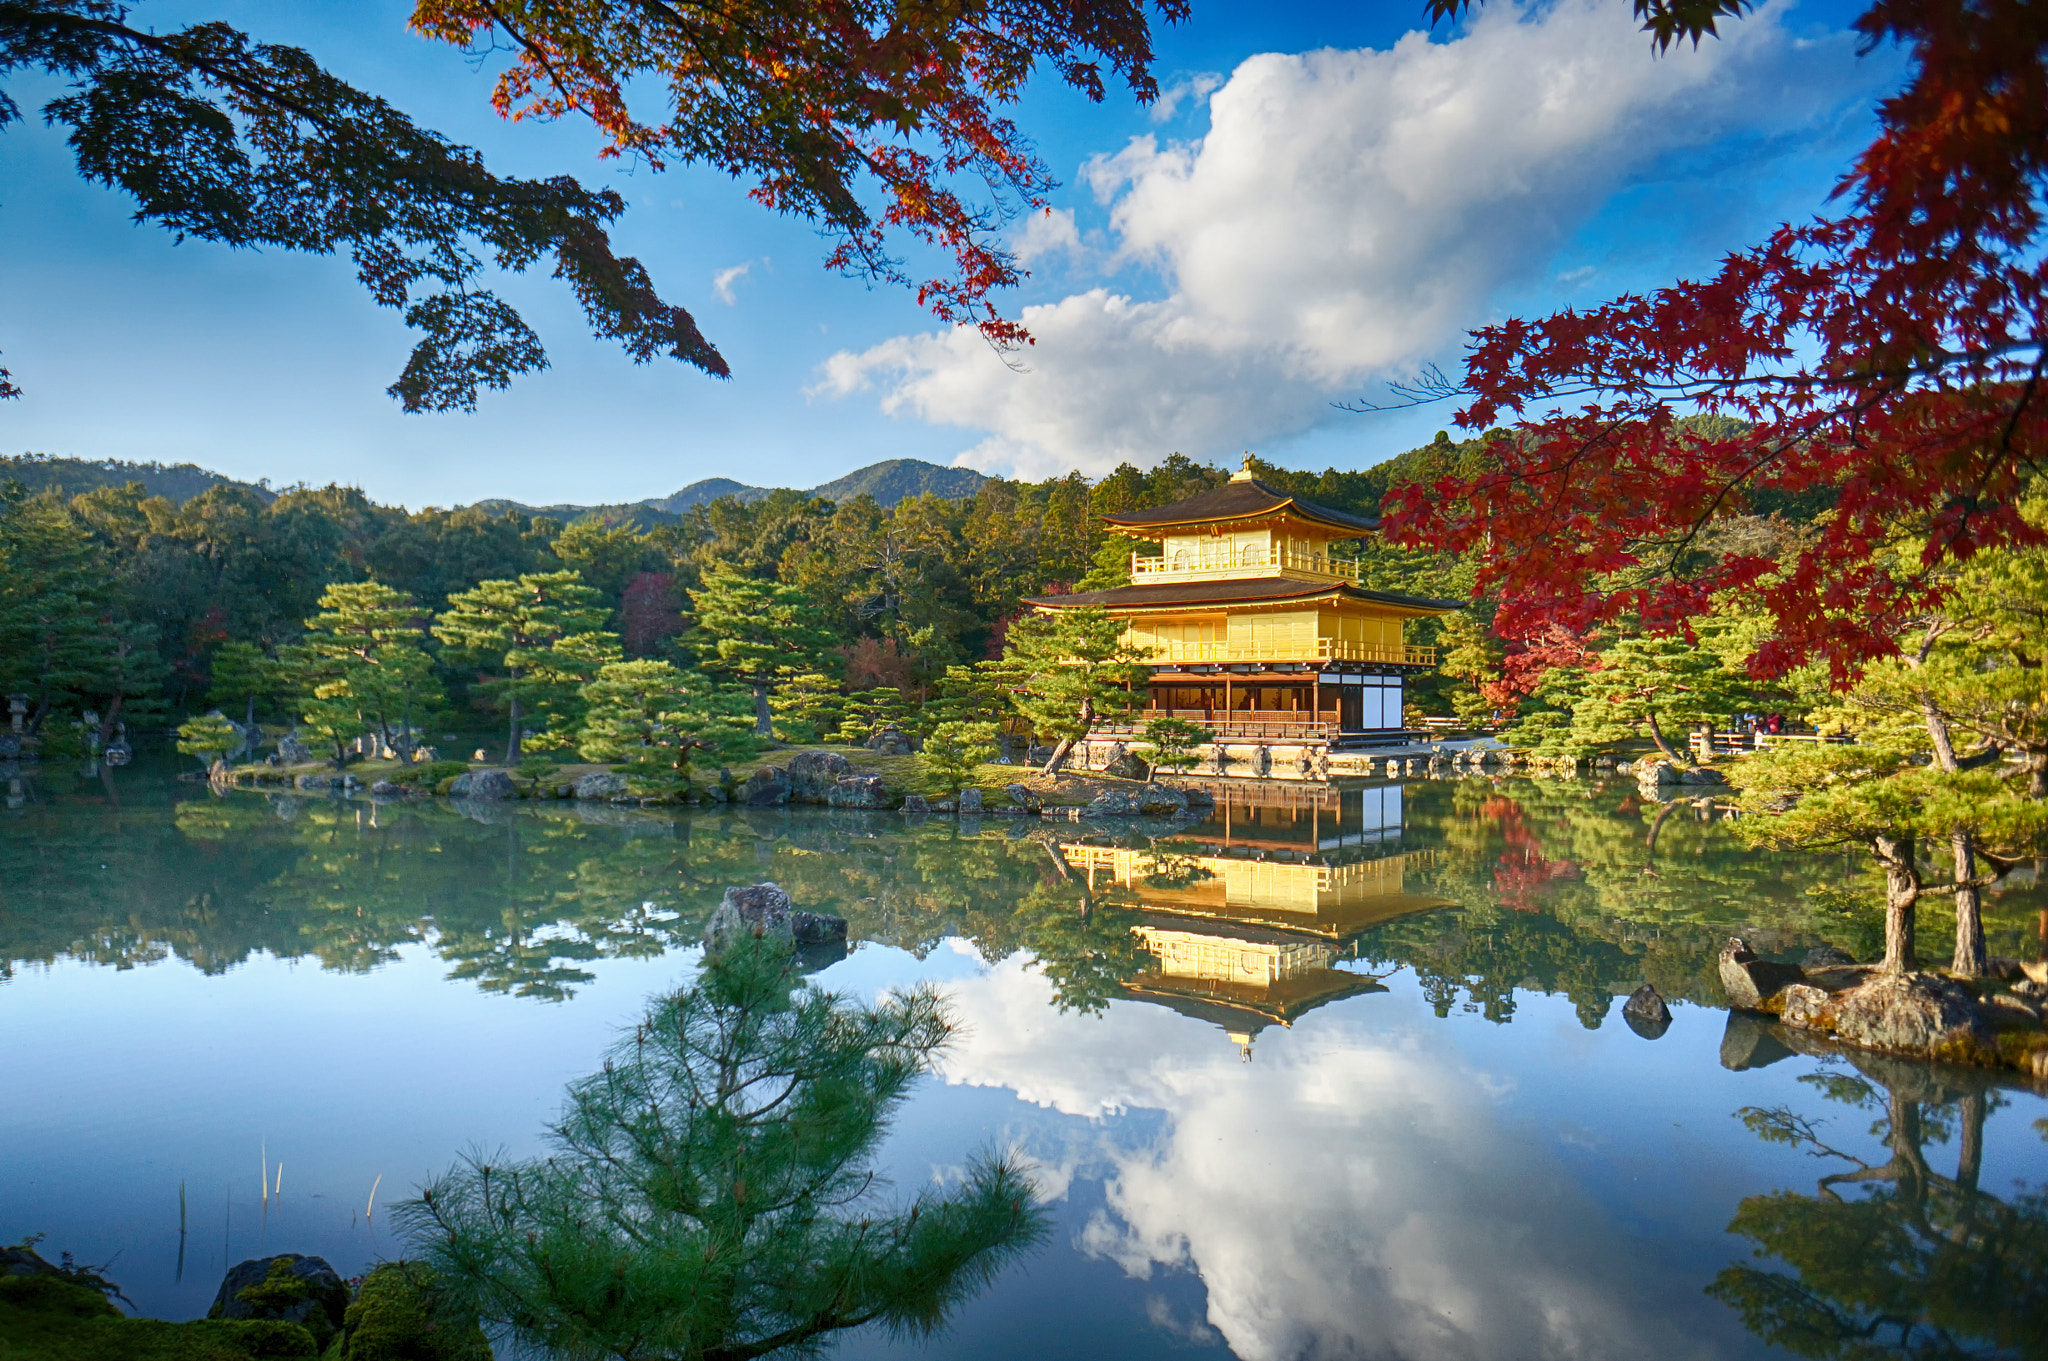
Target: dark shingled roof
[1241,591]
[1239,500]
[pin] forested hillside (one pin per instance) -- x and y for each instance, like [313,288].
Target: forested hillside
[122,597]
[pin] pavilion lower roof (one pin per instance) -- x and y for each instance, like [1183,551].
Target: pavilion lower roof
[1241,591]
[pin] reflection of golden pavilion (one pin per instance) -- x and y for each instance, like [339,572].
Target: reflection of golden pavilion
[1249,917]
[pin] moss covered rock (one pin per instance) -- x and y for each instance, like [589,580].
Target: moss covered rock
[399,1314]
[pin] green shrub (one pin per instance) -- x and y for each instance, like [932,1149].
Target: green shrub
[43,1318]
[430,773]
[399,1315]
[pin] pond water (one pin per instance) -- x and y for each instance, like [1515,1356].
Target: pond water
[1334,1073]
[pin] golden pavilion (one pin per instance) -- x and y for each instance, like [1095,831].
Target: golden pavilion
[1249,915]
[1257,632]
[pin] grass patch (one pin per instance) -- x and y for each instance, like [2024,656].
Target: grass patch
[46,1319]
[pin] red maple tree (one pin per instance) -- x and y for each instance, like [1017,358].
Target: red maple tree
[823,102]
[1887,361]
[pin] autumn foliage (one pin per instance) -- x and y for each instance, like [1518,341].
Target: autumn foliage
[823,102]
[1885,364]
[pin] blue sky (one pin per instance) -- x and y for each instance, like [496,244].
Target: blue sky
[1327,200]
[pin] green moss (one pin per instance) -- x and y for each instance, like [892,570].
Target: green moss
[430,774]
[46,1319]
[399,1315]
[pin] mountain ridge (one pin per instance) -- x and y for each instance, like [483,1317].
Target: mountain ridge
[889,481]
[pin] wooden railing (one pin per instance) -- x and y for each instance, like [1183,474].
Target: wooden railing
[1316,650]
[1242,724]
[1247,560]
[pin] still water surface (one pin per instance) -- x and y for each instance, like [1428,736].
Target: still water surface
[1331,1074]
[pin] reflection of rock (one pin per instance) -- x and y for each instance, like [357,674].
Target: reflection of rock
[287,1287]
[484,784]
[1826,957]
[1750,1042]
[1750,981]
[1645,1012]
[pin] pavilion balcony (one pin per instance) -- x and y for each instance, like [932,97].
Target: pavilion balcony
[1239,725]
[1220,563]
[1313,650]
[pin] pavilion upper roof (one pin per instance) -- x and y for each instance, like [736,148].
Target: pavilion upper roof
[1241,499]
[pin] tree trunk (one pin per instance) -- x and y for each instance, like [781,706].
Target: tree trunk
[1970,1160]
[250,720]
[764,717]
[1657,736]
[1901,894]
[1059,756]
[512,733]
[1969,956]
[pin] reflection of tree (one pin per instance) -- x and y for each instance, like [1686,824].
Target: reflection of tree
[1893,1258]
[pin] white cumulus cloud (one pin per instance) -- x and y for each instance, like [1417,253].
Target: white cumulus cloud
[1348,215]
[1356,1190]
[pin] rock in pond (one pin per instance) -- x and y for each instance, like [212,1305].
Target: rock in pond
[1144,801]
[1022,797]
[764,909]
[489,784]
[767,787]
[600,784]
[1826,957]
[1749,980]
[1128,765]
[1911,1013]
[1645,1012]
[289,1288]
[858,791]
[813,774]
[970,802]
[916,805]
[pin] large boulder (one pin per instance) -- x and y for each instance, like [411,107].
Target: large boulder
[488,784]
[1197,800]
[1128,765]
[765,910]
[1115,803]
[1701,775]
[970,802]
[1023,797]
[916,805]
[1645,1012]
[289,1288]
[767,787]
[1827,957]
[892,741]
[1656,771]
[1913,1013]
[600,784]
[1749,980]
[813,774]
[858,791]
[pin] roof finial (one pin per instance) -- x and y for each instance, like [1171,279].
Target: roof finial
[1245,473]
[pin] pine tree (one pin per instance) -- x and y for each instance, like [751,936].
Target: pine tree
[867,712]
[1648,684]
[241,671]
[761,633]
[363,665]
[1171,743]
[649,715]
[955,751]
[1072,668]
[708,1195]
[807,708]
[513,628]
[210,737]
[1471,654]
